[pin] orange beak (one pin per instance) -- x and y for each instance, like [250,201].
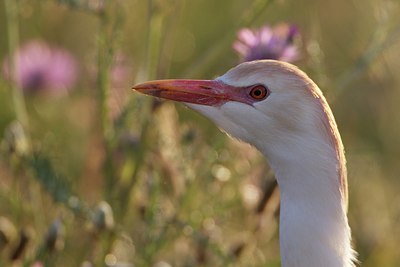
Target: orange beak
[202,92]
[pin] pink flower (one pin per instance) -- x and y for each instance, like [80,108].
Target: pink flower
[39,67]
[268,43]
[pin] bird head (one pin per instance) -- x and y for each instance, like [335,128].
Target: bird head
[269,104]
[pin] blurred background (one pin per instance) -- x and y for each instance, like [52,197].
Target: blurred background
[93,174]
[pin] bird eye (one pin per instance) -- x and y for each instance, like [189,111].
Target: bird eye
[258,92]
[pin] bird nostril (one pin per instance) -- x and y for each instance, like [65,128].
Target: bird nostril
[205,87]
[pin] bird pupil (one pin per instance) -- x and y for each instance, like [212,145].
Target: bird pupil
[257,92]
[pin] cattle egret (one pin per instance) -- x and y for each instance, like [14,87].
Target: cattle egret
[277,108]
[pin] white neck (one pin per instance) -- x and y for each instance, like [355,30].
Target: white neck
[313,224]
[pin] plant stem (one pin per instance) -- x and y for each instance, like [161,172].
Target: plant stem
[110,21]
[105,56]
[254,11]
[152,50]
[382,38]
[11,10]
[156,20]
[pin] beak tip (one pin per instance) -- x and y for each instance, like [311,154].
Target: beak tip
[139,86]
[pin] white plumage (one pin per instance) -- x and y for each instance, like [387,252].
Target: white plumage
[293,126]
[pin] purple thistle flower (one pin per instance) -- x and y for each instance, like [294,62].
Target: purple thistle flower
[39,67]
[268,43]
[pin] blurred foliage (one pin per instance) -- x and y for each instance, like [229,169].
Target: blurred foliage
[107,177]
